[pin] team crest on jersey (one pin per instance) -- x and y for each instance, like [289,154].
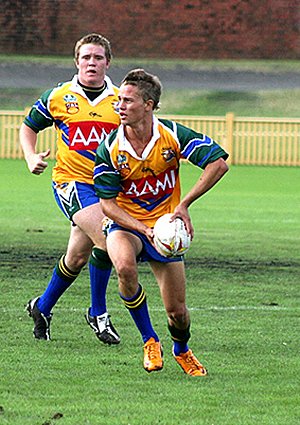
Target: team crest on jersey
[116,107]
[168,154]
[123,166]
[71,104]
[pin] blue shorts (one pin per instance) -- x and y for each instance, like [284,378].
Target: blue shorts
[148,252]
[74,196]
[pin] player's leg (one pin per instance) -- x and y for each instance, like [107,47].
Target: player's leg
[67,269]
[172,284]
[65,272]
[75,199]
[123,248]
[171,281]
[89,220]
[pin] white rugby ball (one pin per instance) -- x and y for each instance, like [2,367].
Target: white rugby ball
[171,239]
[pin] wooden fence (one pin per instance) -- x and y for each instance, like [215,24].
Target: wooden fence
[250,141]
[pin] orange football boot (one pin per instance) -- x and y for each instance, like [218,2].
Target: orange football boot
[152,355]
[190,364]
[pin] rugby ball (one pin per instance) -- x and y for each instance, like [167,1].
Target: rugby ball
[171,239]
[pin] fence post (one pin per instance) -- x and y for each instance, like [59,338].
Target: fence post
[229,136]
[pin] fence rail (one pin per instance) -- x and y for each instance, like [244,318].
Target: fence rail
[250,141]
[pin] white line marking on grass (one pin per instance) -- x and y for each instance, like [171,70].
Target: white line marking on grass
[208,308]
[245,307]
[237,308]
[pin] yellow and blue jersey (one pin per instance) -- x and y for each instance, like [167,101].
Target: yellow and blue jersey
[81,125]
[147,187]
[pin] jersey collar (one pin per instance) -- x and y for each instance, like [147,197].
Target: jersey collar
[109,91]
[124,144]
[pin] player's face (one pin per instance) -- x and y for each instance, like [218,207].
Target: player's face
[132,107]
[92,65]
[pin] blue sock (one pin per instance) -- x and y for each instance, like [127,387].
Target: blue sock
[137,306]
[180,339]
[61,279]
[98,281]
[180,348]
[100,269]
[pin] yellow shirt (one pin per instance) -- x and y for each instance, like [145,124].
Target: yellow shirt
[148,186]
[81,126]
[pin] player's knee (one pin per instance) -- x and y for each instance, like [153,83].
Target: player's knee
[76,261]
[100,259]
[179,317]
[126,272]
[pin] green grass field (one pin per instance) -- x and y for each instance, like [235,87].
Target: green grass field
[243,294]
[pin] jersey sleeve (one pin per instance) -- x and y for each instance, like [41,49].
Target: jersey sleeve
[198,148]
[39,116]
[107,180]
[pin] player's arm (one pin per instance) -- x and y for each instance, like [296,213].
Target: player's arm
[107,183]
[212,173]
[28,140]
[37,120]
[204,152]
[112,210]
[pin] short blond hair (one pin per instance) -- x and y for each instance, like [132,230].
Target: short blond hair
[93,38]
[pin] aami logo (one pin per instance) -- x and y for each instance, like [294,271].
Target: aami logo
[150,186]
[87,135]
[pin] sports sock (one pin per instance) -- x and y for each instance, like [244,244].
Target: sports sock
[100,269]
[180,348]
[137,306]
[61,279]
[180,338]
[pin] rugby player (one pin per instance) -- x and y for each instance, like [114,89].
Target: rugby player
[137,178]
[82,111]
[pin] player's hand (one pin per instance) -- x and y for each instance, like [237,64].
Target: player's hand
[183,213]
[150,235]
[36,163]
